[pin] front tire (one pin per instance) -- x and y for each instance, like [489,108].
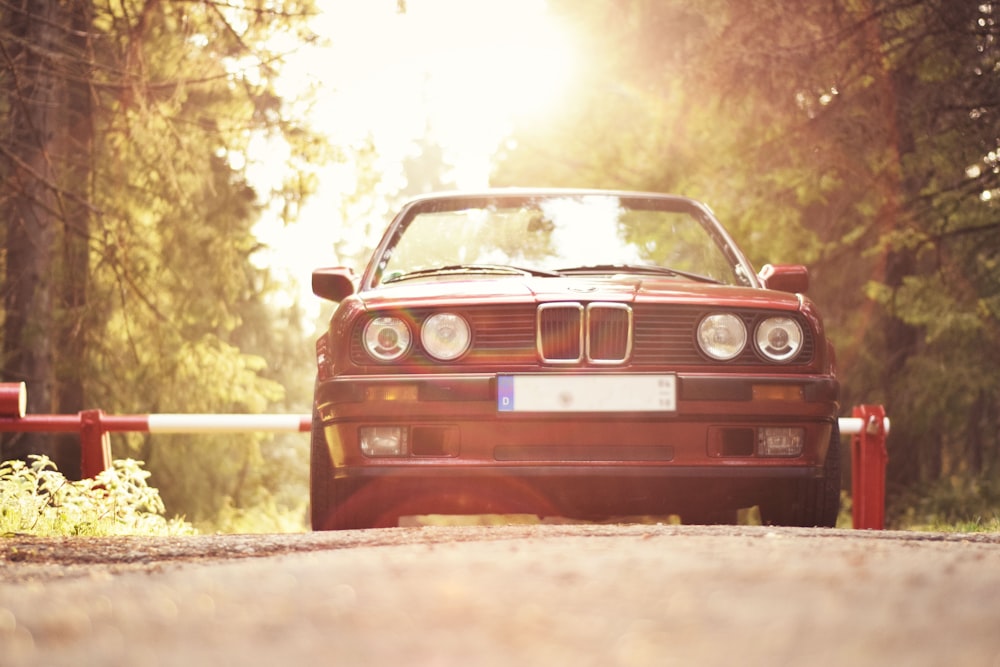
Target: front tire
[321,489]
[814,502]
[332,504]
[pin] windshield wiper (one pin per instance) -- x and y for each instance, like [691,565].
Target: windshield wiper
[499,269]
[637,268]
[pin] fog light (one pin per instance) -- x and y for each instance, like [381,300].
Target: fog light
[775,441]
[382,440]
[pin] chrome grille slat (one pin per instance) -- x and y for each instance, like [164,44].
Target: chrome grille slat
[560,333]
[609,333]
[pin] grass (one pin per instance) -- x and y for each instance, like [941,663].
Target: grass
[954,504]
[989,524]
[36,499]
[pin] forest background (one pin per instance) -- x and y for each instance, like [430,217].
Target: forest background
[858,137]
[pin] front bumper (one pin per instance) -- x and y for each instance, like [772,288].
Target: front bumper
[453,425]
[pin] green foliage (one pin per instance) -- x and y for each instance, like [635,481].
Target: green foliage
[955,504]
[37,499]
[845,518]
[251,482]
[267,516]
[179,317]
[172,312]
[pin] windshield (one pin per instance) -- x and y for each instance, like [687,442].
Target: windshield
[556,235]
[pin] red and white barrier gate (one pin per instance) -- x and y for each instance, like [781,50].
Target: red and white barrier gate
[868,428]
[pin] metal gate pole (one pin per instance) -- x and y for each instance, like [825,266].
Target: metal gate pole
[95,444]
[868,461]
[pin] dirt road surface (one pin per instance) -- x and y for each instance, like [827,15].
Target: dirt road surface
[576,595]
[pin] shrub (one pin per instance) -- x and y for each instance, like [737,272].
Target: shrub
[36,499]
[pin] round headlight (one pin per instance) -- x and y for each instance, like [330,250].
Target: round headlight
[445,336]
[722,336]
[779,338]
[387,338]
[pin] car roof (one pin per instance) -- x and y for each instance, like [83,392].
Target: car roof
[535,192]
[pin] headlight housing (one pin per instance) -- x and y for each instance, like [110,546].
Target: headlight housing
[387,338]
[722,336]
[445,336]
[779,338]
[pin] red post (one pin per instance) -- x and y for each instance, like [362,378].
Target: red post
[13,399]
[95,444]
[868,460]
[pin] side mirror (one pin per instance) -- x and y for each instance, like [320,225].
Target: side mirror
[785,277]
[334,284]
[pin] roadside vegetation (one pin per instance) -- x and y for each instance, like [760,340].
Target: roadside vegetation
[36,499]
[954,504]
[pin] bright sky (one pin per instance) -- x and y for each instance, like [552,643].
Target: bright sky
[464,69]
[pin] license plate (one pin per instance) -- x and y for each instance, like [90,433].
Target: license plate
[586,393]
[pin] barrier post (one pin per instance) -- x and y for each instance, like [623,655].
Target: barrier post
[95,444]
[13,399]
[868,461]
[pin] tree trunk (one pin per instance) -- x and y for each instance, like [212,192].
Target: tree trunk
[974,438]
[46,157]
[900,339]
[78,139]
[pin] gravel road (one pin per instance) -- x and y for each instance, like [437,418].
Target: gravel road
[507,595]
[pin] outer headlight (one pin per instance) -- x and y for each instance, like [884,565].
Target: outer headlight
[722,336]
[445,336]
[387,338]
[779,338]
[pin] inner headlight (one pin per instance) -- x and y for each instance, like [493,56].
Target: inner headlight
[779,338]
[722,336]
[445,336]
[387,338]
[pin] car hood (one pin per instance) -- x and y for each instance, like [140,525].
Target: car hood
[621,289]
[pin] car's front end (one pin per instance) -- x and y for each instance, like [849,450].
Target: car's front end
[598,391]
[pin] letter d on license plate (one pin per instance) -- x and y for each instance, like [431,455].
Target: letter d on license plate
[605,392]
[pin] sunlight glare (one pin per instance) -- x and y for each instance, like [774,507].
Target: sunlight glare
[456,72]
[462,71]
[513,64]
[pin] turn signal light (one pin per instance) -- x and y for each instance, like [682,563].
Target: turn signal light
[391,392]
[777,392]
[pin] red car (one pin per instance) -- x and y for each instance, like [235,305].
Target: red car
[574,353]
